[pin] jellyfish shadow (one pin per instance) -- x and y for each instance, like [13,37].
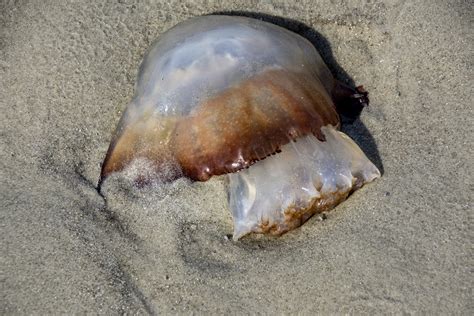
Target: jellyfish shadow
[351,123]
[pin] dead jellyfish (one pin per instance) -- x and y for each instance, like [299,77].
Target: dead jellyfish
[234,96]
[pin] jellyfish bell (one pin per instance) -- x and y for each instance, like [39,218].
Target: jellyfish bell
[234,96]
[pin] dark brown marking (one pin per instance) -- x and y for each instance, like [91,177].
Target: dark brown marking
[229,131]
[147,138]
[349,102]
[251,121]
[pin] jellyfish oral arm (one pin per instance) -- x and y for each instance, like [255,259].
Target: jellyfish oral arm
[309,176]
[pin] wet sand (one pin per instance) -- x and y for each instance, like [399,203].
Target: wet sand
[398,245]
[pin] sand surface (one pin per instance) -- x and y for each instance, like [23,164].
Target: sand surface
[402,244]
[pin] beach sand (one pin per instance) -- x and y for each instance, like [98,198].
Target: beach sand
[402,244]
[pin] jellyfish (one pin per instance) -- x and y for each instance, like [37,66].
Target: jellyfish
[250,101]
